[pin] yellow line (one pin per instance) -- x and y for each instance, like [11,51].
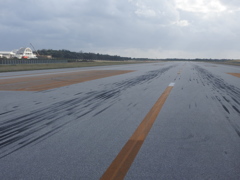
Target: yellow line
[123,161]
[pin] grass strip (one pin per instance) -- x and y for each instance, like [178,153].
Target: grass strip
[29,67]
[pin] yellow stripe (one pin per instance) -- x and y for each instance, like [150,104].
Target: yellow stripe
[121,164]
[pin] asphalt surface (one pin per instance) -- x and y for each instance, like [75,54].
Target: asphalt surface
[76,131]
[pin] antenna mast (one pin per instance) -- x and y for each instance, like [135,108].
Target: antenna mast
[35,49]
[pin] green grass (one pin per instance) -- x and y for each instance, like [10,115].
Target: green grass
[28,67]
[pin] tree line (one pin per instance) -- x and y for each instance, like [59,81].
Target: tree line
[66,54]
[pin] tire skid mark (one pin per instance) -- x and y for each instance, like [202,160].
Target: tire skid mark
[221,87]
[31,128]
[235,100]
[234,126]
[234,107]
[226,109]
[231,103]
[6,112]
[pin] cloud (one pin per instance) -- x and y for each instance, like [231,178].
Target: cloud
[128,27]
[146,12]
[200,6]
[182,23]
[233,5]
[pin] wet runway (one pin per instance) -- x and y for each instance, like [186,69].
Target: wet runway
[76,130]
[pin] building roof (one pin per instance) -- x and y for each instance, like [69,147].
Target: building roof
[6,52]
[22,50]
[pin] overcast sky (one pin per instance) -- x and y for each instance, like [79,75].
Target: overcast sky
[133,28]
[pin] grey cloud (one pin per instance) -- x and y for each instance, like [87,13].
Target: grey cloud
[110,25]
[232,3]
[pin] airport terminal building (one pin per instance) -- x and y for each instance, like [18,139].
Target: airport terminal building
[22,53]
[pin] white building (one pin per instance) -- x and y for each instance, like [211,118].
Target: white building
[25,53]
[22,53]
[6,54]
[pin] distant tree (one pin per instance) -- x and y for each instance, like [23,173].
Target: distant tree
[66,54]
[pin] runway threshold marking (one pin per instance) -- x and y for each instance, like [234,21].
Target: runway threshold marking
[123,161]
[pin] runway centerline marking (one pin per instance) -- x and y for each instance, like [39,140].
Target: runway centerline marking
[123,161]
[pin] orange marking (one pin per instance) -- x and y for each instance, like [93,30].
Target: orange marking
[179,72]
[121,164]
[45,82]
[235,74]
